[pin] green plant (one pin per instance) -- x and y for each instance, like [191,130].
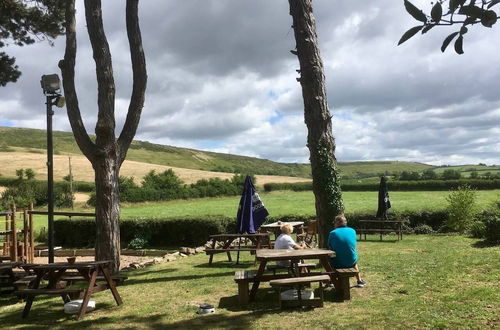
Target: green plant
[423,230]
[137,243]
[461,208]
[478,229]
[42,236]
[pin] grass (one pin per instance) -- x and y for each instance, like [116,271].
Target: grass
[301,203]
[421,282]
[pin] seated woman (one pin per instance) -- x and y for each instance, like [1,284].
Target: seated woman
[285,241]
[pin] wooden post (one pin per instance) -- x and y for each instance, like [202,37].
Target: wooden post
[26,238]
[32,239]
[13,251]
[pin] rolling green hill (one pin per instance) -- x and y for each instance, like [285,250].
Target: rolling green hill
[34,140]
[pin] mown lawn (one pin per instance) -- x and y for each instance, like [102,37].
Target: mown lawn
[300,203]
[421,282]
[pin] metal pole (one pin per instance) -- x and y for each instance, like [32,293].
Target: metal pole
[50,178]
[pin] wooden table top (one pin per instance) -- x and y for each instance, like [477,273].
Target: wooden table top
[239,235]
[278,224]
[66,265]
[281,254]
[9,265]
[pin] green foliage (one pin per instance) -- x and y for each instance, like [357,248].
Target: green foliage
[478,229]
[329,181]
[464,13]
[30,174]
[35,192]
[487,224]
[137,243]
[20,173]
[423,185]
[22,22]
[42,236]
[461,208]
[423,230]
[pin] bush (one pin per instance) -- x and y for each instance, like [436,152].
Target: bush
[34,192]
[42,236]
[461,208]
[423,230]
[137,243]
[478,229]
[492,230]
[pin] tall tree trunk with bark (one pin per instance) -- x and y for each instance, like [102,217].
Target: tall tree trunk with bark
[107,153]
[320,141]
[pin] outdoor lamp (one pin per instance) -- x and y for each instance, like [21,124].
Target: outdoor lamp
[50,83]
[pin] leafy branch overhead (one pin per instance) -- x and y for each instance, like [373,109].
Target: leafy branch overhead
[463,13]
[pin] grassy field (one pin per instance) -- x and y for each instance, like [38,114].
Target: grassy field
[33,141]
[422,282]
[301,203]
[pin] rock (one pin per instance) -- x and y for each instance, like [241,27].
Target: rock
[187,250]
[157,260]
[183,255]
[135,265]
[169,257]
[200,249]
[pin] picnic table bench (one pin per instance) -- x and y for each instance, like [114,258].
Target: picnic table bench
[54,272]
[257,240]
[381,227]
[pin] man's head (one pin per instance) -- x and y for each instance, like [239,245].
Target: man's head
[286,228]
[340,221]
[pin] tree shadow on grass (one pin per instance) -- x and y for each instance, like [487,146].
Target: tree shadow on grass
[175,278]
[227,264]
[485,244]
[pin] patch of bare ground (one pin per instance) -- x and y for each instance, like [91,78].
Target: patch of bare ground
[82,169]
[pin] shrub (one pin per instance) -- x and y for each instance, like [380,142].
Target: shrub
[478,229]
[423,230]
[137,243]
[461,208]
[42,236]
[492,230]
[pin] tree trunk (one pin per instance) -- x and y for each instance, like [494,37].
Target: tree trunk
[320,141]
[107,210]
[107,153]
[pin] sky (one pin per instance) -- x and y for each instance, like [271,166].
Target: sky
[221,78]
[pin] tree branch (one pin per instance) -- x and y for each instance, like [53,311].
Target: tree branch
[67,66]
[105,127]
[139,79]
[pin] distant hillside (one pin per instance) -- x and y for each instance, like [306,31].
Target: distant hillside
[34,141]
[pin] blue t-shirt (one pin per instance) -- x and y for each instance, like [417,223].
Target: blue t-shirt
[343,241]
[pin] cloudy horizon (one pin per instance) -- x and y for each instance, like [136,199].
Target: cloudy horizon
[221,78]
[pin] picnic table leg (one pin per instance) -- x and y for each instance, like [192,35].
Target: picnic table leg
[112,286]
[29,300]
[88,293]
[255,286]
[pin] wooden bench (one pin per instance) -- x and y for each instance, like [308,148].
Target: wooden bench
[300,282]
[24,282]
[380,227]
[343,274]
[303,267]
[243,278]
[117,278]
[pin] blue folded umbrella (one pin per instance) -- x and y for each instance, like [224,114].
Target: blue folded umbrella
[251,212]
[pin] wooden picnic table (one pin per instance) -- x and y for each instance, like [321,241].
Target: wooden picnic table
[53,273]
[7,271]
[258,240]
[275,227]
[295,257]
[381,227]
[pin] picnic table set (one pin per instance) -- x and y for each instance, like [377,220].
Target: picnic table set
[58,279]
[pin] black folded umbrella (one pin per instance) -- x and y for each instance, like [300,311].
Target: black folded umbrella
[384,203]
[251,211]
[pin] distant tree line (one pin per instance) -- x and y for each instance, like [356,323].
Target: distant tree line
[168,186]
[448,174]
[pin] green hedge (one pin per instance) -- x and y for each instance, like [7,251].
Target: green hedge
[434,185]
[162,232]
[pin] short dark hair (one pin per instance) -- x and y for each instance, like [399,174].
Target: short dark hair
[340,219]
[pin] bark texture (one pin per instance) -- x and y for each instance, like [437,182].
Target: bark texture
[320,140]
[107,153]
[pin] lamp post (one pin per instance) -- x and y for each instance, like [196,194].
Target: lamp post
[50,86]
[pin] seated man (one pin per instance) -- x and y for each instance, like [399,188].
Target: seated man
[342,240]
[285,241]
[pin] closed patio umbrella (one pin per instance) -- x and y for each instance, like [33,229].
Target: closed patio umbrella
[384,203]
[251,211]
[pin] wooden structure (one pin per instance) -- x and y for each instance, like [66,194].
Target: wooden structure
[54,273]
[17,236]
[295,257]
[299,283]
[228,245]
[380,227]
